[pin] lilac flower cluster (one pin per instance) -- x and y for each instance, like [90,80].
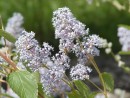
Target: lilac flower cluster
[124,38]
[67,28]
[72,38]
[80,72]
[51,68]
[30,52]
[14,25]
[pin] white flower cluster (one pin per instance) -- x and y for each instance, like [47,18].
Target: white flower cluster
[124,38]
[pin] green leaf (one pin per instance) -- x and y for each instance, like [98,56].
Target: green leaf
[7,36]
[37,76]
[74,94]
[82,88]
[109,81]
[23,84]
[124,53]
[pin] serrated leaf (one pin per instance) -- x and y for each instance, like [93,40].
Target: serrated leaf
[23,84]
[7,36]
[109,82]
[74,94]
[82,88]
[124,53]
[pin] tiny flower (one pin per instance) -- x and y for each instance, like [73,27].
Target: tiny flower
[109,44]
[118,57]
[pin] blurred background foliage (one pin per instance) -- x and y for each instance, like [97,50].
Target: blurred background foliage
[102,18]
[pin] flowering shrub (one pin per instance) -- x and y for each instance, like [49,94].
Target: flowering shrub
[32,71]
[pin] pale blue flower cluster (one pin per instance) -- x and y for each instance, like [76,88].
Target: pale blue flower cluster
[51,68]
[30,52]
[14,25]
[124,38]
[73,37]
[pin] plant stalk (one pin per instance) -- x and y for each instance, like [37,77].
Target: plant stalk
[99,73]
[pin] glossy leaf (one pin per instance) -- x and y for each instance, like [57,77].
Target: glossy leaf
[23,84]
[109,82]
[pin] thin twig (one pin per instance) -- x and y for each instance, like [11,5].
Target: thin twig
[8,60]
[99,73]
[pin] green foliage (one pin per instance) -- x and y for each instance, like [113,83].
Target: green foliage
[92,95]
[108,80]
[24,84]
[124,53]
[74,94]
[82,88]
[7,36]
